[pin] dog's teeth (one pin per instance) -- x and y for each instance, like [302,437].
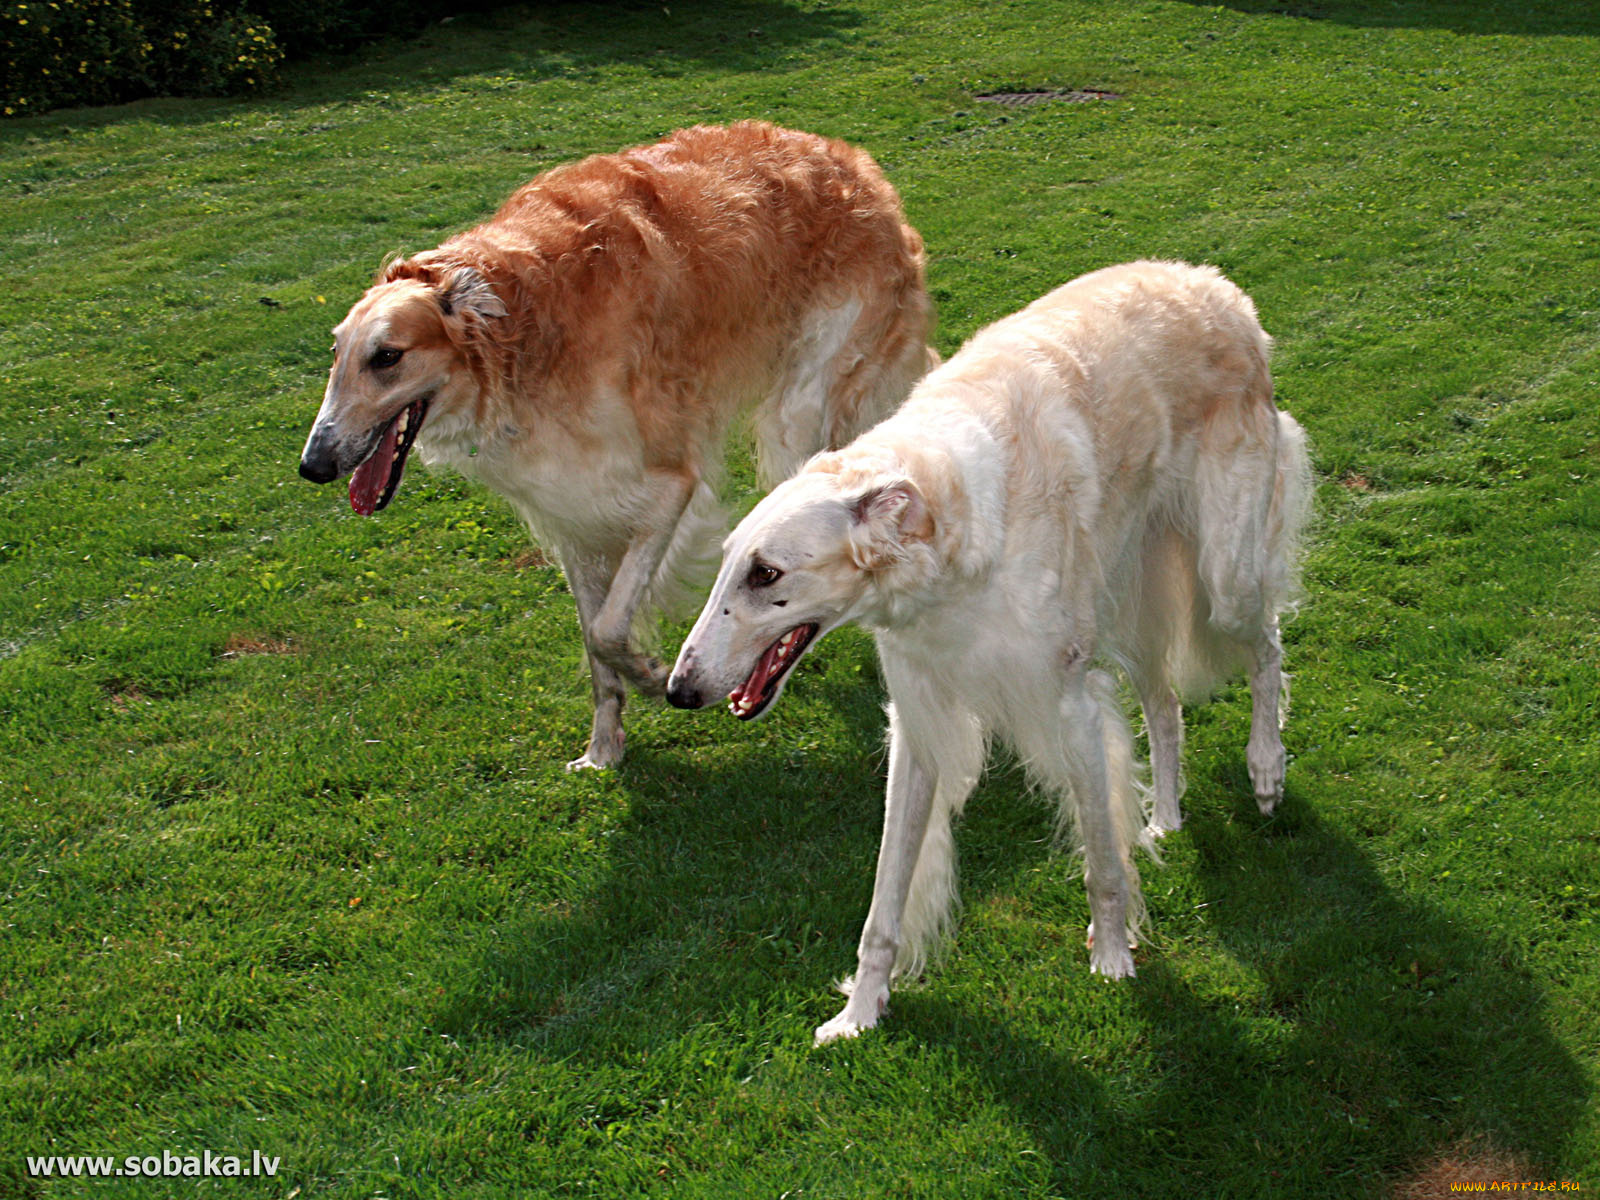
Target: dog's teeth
[783,651]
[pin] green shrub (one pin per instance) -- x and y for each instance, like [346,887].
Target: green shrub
[306,26]
[61,52]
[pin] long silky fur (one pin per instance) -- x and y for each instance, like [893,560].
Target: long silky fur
[589,350]
[1100,480]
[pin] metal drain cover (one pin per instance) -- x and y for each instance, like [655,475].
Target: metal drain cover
[1042,96]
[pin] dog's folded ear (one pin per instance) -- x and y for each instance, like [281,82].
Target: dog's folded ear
[460,289]
[463,290]
[885,519]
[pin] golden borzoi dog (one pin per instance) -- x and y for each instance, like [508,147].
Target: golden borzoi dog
[1100,476]
[585,352]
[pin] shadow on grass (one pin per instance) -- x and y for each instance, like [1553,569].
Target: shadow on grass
[1533,18]
[1378,1035]
[558,40]
[718,879]
[1370,1034]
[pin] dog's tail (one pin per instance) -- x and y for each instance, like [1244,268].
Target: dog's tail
[1287,518]
[1208,592]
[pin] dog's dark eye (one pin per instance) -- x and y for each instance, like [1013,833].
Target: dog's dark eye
[385,356]
[761,575]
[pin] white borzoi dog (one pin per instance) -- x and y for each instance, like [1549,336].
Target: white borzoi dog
[585,352]
[1102,476]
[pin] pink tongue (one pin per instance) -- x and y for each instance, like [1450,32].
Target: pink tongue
[368,480]
[750,689]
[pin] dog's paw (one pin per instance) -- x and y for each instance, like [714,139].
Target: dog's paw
[860,1014]
[1266,775]
[837,1029]
[1114,962]
[1166,817]
[1159,828]
[841,1027]
[602,754]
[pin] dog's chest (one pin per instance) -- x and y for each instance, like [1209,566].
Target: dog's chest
[561,489]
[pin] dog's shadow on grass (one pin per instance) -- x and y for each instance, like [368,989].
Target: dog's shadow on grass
[734,858]
[1307,1029]
[1330,1036]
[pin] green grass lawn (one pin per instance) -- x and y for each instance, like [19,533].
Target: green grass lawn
[288,860]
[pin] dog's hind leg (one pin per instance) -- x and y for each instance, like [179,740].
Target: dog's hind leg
[1156,653]
[792,423]
[1265,754]
[907,808]
[1253,499]
[853,364]
[1290,506]
[1163,722]
[609,635]
[875,370]
[590,578]
[1088,759]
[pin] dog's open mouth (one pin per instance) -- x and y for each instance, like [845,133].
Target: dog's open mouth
[751,698]
[372,484]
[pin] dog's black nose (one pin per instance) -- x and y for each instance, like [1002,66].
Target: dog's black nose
[319,472]
[681,695]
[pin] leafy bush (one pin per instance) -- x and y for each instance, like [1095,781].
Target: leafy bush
[304,26]
[59,52]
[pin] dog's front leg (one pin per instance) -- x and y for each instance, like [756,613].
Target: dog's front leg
[905,824]
[609,636]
